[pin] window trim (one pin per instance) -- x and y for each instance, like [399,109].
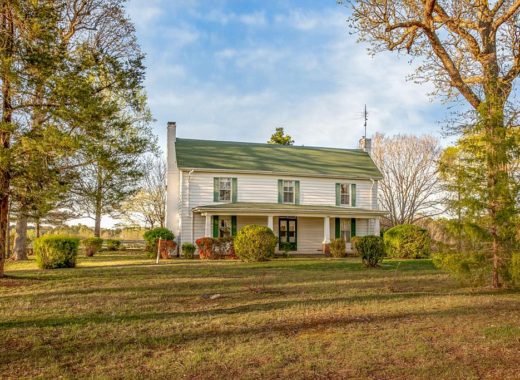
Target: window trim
[293,191]
[349,187]
[230,190]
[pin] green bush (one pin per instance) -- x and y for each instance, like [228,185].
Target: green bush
[470,268]
[515,269]
[188,250]
[371,249]
[92,246]
[113,244]
[407,241]
[255,243]
[338,248]
[152,236]
[54,251]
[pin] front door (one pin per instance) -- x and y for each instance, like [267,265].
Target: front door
[288,233]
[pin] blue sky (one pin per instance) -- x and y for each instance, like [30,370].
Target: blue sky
[237,69]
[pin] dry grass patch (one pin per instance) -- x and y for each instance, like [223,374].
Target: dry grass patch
[120,316]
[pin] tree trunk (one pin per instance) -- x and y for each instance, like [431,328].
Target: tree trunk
[20,240]
[38,227]
[99,203]
[5,136]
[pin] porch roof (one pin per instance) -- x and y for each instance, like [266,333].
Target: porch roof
[277,209]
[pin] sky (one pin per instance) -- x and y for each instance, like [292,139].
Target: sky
[237,69]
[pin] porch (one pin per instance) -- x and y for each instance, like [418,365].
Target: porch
[300,229]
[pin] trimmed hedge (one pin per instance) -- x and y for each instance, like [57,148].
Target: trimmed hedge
[407,241]
[113,244]
[371,249]
[188,250]
[152,236]
[255,243]
[338,248]
[92,246]
[55,251]
[216,248]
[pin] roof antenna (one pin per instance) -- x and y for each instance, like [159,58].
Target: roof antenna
[366,119]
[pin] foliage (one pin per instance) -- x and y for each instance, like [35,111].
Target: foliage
[371,249]
[338,248]
[255,243]
[54,251]
[216,248]
[188,250]
[407,241]
[113,244]
[92,245]
[471,268]
[354,240]
[280,138]
[151,237]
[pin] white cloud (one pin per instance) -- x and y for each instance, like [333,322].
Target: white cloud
[256,19]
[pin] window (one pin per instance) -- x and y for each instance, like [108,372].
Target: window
[345,230]
[224,189]
[345,194]
[288,191]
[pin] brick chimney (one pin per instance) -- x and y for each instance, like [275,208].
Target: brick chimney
[366,145]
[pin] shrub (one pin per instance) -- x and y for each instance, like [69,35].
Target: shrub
[354,240]
[338,248]
[188,250]
[113,244]
[152,236]
[471,268]
[54,251]
[214,249]
[92,246]
[407,241]
[255,243]
[371,249]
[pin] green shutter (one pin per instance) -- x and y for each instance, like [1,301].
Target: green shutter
[353,194]
[234,190]
[216,190]
[215,226]
[280,191]
[338,227]
[353,227]
[234,225]
[297,192]
[338,194]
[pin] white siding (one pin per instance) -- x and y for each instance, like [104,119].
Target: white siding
[264,189]
[245,220]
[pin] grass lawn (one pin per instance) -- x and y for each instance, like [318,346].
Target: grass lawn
[122,316]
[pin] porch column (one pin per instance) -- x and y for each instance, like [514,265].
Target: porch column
[377,227]
[208,226]
[270,222]
[326,235]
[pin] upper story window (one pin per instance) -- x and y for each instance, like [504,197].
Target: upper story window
[345,194]
[224,194]
[288,191]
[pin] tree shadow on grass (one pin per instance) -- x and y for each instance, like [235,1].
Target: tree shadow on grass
[233,332]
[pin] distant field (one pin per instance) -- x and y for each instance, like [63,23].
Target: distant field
[121,316]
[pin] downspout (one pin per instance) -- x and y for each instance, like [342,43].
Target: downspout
[189,207]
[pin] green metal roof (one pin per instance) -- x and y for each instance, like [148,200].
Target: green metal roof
[251,208]
[271,158]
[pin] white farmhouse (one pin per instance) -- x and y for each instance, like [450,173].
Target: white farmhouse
[306,195]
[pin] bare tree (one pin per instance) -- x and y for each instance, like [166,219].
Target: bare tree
[469,50]
[148,206]
[410,188]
